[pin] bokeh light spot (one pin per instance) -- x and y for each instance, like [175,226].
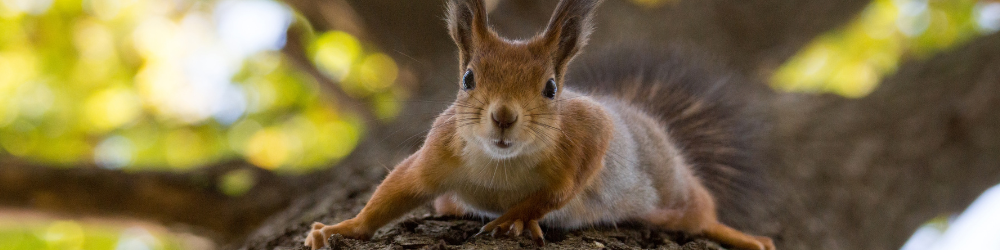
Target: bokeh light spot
[987,16]
[343,138]
[854,81]
[23,142]
[913,23]
[112,108]
[377,72]
[34,7]
[267,148]
[114,152]
[231,105]
[35,100]
[137,238]
[334,52]
[185,149]
[236,182]
[93,40]
[66,235]
[240,133]
[105,9]
[386,106]
[247,27]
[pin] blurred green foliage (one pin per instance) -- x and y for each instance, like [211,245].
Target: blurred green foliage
[170,85]
[71,235]
[152,84]
[850,61]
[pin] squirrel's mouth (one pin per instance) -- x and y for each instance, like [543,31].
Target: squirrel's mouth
[500,148]
[502,143]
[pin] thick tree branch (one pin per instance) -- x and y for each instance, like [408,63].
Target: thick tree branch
[191,198]
[863,174]
[752,36]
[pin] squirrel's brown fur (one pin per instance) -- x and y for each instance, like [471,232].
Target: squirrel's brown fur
[516,146]
[705,107]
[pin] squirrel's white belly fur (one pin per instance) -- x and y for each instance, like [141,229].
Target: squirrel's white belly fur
[623,190]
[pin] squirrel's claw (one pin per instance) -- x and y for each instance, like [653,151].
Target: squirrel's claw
[514,228]
[767,243]
[536,233]
[481,232]
[316,239]
[489,228]
[310,237]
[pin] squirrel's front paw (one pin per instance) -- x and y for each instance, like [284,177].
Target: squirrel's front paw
[316,238]
[514,227]
[766,242]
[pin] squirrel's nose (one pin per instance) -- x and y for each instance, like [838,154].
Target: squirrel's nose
[504,118]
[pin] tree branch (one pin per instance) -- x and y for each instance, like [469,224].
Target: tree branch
[191,198]
[925,143]
[752,36]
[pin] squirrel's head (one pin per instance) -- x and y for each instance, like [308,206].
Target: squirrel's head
[510,90]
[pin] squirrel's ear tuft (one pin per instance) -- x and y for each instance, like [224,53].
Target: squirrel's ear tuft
[467,25]
[568,30]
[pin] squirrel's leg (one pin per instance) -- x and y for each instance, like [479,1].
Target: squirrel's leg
[401,191]
[678,220]
[524,216]
[728,235]
[448,205]
[699,218]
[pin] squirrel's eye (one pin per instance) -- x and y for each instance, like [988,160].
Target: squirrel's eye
[550,89]
[468,81]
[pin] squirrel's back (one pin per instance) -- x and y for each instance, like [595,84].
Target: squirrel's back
[706,112]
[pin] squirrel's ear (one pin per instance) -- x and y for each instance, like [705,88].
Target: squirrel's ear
[467,25]
[568,30]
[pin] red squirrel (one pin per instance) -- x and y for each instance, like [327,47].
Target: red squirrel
[519,147]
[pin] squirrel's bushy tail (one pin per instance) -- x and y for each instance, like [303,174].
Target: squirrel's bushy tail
[706,110]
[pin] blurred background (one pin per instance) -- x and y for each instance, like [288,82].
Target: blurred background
[209,103]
